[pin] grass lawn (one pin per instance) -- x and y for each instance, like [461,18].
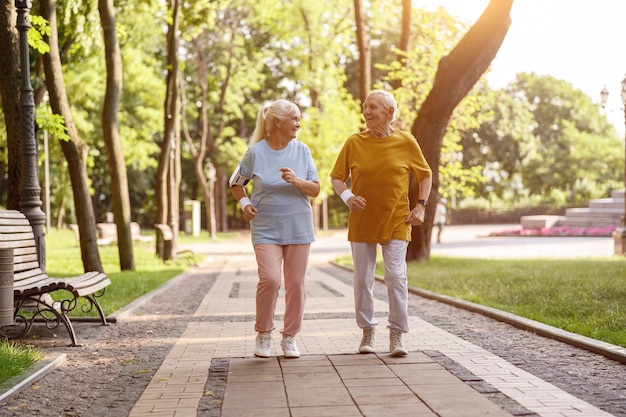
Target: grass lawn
[583,296]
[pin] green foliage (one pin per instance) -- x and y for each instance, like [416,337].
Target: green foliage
[16,358]
[36,33]
[53,123]
[543,138]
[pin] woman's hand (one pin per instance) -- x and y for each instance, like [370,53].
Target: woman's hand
[249,212]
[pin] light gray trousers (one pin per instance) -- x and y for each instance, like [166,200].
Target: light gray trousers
[394,258]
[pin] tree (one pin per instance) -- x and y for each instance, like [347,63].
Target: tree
[9,88]
[168,171]
[544,142]
[117,165]
[74,150]
[365,58]
[456,75]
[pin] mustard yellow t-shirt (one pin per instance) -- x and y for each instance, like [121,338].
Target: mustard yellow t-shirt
[380,169]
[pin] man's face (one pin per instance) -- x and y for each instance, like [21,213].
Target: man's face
[375,113]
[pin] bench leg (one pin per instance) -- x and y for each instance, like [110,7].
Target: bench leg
[94,302]
[40,308]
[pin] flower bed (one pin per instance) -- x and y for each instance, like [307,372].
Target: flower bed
[559,231]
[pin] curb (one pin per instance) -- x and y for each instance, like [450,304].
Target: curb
[33,374]
[614,352]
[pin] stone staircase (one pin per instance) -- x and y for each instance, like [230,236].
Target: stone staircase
[602,212]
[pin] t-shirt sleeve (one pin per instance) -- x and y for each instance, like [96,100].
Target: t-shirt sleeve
[420,167]
[341,170]
[311,174]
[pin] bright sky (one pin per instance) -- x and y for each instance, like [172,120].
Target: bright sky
[580,41]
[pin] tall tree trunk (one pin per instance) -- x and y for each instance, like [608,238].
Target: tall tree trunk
[365,58]
[74,150]
[456,75]
[115,155]
[405,37]
[9,93]
[166,169]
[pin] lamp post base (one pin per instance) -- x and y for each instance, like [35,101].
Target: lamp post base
[619,238]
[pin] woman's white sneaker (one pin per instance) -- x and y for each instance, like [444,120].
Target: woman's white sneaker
[290,349]
[263,342]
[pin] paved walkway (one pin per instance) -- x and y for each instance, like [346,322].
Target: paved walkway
[211,371]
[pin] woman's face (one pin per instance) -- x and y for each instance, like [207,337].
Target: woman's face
[375,114]
[289,127]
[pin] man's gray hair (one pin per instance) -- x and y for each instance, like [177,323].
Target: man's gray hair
[388,101]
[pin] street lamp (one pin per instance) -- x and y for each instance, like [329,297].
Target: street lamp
[619,235]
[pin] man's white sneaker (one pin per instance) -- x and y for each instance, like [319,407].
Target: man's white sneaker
[368,341]
[396,348]
[290,349]
[263,341]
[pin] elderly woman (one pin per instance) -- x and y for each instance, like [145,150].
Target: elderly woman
[379,161]
[283,177]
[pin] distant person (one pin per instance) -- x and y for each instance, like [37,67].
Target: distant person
[283,177]
[379,162]
[441,217]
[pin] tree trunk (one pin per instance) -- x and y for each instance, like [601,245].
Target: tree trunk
[405,37]
[365,64]
[9,93]
[456,75]
[166,170]
[74,150]
[115,155]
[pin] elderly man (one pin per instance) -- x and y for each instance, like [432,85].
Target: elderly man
[379,162]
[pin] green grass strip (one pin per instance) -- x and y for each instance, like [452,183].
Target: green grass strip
[15,358]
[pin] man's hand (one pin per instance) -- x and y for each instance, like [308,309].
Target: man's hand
[416,216]
[356,203]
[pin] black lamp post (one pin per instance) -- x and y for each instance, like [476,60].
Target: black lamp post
[619,235]
[30,190]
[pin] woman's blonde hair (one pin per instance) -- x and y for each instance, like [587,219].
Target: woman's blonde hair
[279,109]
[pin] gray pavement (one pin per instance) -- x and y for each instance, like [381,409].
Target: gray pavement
[209,368]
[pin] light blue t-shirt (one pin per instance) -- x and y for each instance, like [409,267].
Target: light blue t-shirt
[284,214]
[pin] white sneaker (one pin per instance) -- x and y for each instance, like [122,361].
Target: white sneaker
[290,349]
[368,341]
[263,341]
[396,348]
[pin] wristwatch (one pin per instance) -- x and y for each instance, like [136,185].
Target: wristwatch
[422,202]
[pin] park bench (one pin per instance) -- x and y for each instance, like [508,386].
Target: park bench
[107,233]
[32,287]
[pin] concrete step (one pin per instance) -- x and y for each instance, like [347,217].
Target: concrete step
[602,212]
[612,213]
[601,203]
[589,222]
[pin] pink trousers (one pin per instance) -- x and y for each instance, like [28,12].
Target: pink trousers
[293,260]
